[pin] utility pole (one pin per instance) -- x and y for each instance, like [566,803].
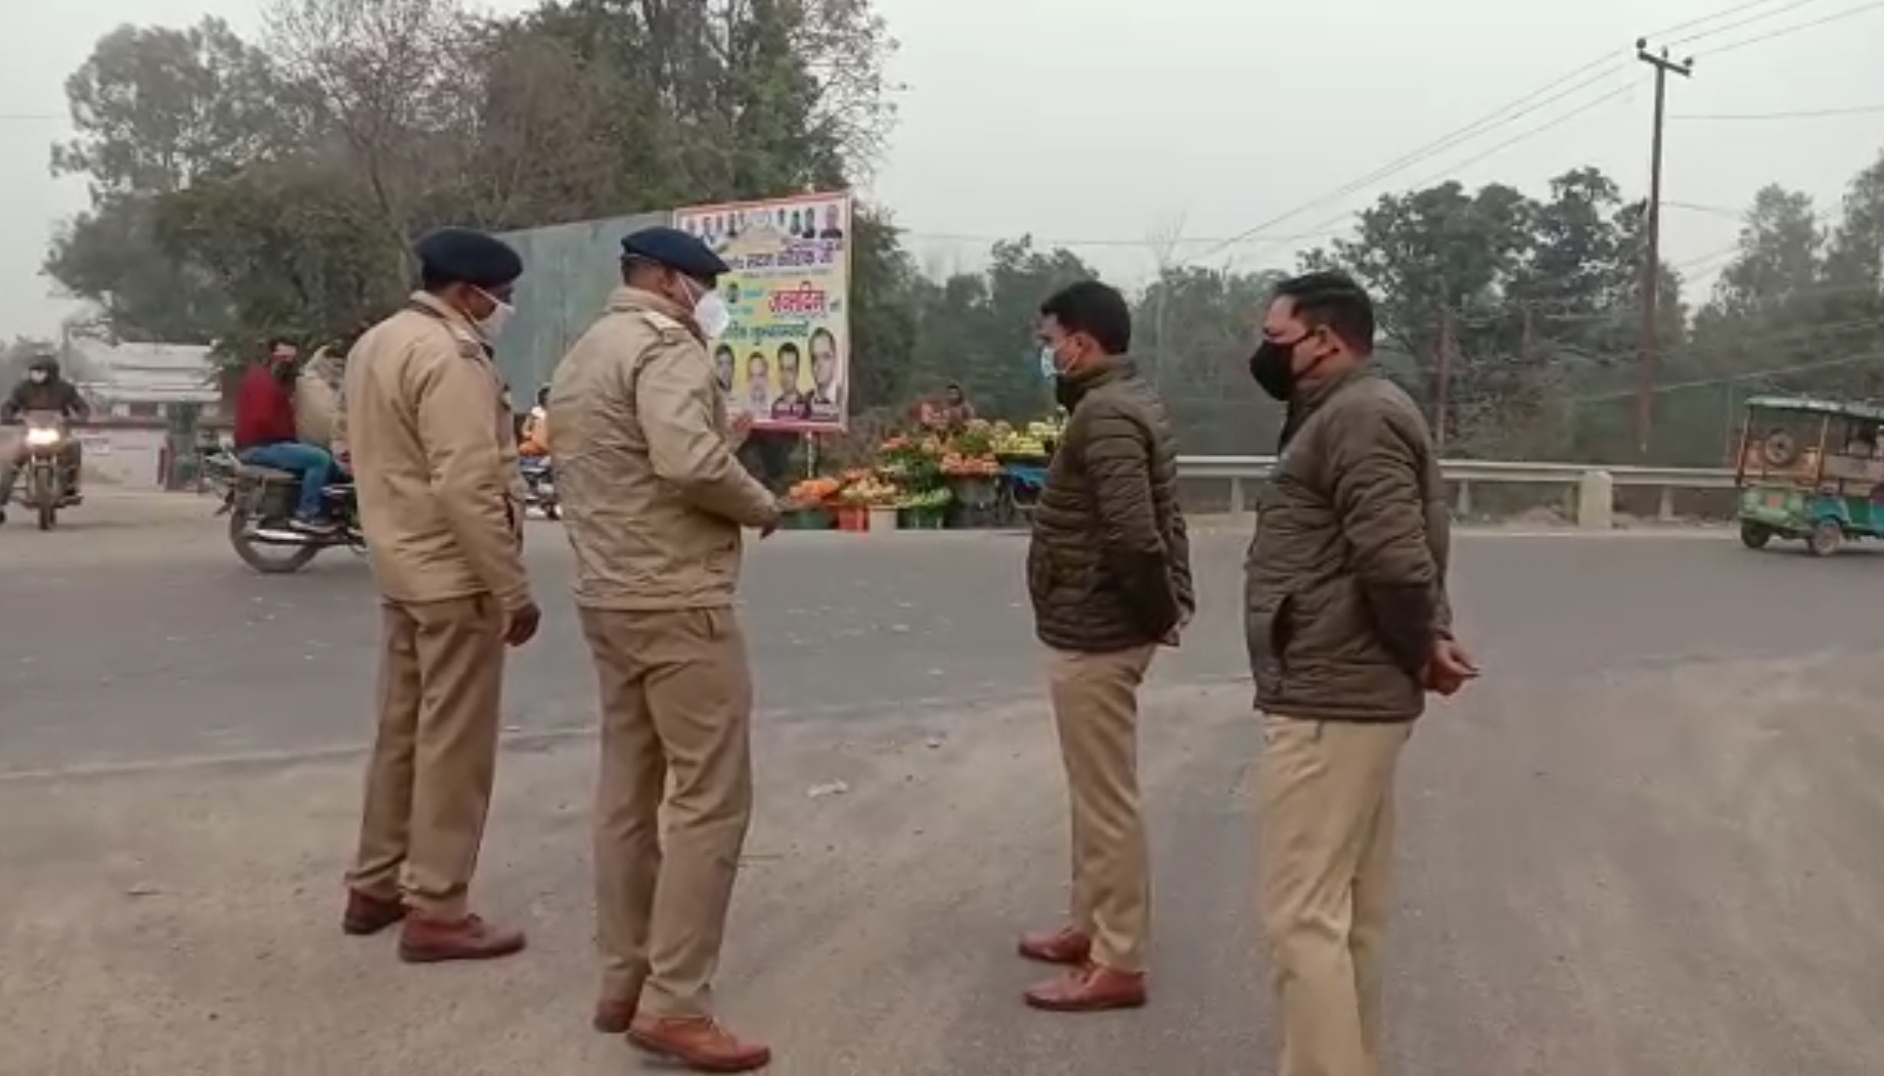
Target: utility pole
[1652,261]
[1442,369]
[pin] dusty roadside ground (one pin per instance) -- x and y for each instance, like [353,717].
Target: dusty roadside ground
[1672,868]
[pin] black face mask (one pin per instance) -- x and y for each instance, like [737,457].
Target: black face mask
[1065,392]
[1273,367]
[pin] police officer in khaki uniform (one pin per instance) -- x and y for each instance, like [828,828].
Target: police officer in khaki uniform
[654,503]
[435,464]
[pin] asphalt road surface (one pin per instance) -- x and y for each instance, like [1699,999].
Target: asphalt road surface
[1647,843]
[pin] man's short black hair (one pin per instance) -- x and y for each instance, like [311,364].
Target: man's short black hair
[282,341]
[1095,309]
[1333,299]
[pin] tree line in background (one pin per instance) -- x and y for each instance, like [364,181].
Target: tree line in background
[245,188]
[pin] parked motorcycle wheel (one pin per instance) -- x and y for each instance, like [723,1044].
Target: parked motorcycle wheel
[267,559]
[44,490]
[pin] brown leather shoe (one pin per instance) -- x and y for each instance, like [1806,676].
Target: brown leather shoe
[699,1043]
[367,914]
[1093,988]
[613,1016]
[1062,946]
[433,941]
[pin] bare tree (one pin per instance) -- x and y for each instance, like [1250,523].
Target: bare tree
[388,81]
[1163,240]
[548,147]
[842,46]
[846,47]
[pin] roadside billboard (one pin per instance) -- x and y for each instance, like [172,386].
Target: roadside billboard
[785,357]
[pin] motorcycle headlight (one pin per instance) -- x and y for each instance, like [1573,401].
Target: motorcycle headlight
[42,436]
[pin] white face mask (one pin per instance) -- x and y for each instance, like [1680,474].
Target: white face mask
[492,324]
[1049,366]
[38,376]
[712,315]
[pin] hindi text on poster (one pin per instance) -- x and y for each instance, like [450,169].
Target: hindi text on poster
[785,359]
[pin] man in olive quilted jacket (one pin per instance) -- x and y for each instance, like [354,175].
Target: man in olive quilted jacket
[1109,574]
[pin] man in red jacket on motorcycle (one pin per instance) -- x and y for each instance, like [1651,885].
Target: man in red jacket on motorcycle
[265,433]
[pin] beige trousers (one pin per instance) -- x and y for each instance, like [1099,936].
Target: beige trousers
[1327,862]
[1095,709]
[676,693]
[428,785]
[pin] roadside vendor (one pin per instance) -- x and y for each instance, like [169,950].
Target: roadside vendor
[949,413]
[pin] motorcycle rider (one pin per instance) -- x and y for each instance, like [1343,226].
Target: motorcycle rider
[265,434]
[534,441]
[42,390]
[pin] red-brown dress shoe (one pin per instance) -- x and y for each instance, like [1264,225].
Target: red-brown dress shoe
[433,941]
[614,1016]
[1062,946]
[368,914]
[1093,988]
[699,1043]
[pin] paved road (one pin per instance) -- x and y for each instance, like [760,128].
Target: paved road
[1644,845]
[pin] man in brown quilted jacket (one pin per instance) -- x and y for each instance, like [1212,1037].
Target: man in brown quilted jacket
[1109,574]
[1348,629]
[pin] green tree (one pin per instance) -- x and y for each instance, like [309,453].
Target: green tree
[110,255]
[1193,332]
[156,109]
[299,252]
[884,295]
[1854,260]
[979,329]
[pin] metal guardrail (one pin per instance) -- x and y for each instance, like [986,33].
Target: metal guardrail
[1463,474]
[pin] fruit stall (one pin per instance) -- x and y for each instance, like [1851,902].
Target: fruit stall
[984,474]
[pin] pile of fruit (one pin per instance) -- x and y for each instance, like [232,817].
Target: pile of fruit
[1028,444]
[870,492]
[956,465]
[927,499]
[974,439]
[813,492]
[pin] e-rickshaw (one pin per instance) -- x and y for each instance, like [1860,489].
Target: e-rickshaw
[1811,469]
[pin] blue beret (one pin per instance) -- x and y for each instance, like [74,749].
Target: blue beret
[675,249]
[466,256]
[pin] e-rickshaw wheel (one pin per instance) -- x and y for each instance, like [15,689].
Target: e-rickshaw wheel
[1827,535]
[1755,535]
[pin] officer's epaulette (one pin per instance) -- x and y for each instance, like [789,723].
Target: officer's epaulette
[469,346]
[663,323]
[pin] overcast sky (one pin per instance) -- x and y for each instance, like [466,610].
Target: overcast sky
[1104,124]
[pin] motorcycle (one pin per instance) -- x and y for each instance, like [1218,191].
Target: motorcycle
[260,502]
[41,485]
[539,486]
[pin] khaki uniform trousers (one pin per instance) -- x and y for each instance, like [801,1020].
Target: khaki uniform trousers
[428,784]
[1095,709]
[673,802]
[1327,862]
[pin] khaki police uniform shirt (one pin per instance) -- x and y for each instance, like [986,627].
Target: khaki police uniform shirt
[652,497]
[434,459]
